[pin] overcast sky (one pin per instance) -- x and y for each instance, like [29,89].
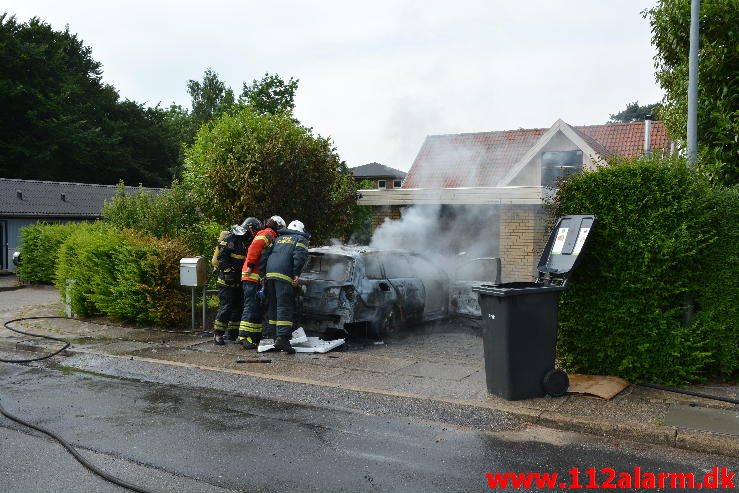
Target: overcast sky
[379,76]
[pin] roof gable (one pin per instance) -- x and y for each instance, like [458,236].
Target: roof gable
[55,199]
[490,159]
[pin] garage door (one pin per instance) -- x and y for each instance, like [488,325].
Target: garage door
[3,245]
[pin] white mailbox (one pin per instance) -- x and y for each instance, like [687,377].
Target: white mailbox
[193,271]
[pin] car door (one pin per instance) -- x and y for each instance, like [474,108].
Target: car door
[409,289]
[436,284]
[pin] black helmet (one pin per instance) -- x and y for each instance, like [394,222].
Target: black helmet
[253,222]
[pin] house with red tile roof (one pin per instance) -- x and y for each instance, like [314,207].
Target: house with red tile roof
[511,171]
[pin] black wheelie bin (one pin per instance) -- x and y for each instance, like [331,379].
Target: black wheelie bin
[520,319]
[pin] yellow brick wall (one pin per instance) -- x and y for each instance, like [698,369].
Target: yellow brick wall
[523,234]
[380,212]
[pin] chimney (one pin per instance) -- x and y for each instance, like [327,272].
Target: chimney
[19,194]
[64,197]
[648,134]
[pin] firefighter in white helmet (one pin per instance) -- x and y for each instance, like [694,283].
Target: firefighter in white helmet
[284,263]
[252,317]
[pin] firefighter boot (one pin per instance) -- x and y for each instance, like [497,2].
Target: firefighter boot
[218,337]
[283,344]
[251,341]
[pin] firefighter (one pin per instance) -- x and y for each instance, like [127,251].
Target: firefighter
[284,263]
[250,329]
[231,252]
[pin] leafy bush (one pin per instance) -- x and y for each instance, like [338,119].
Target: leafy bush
[254,164]
[122,274]
[170,214]
[40,247]
[657,249]
[717,301]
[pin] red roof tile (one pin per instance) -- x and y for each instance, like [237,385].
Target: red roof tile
[483,159]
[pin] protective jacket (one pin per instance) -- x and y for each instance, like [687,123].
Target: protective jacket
[231,256]
[261,243]
[287,256]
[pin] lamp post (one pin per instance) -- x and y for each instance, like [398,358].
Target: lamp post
[693,84]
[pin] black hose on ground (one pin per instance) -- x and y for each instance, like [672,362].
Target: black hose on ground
[691,393]
[51,338]
[50,433]
[74,453]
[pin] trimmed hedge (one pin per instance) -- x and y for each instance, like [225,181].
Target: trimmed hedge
[657,256]
[40,247]
[123,275]
[169,214]
[717,300]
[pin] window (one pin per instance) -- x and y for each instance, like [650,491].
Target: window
[372,266]
[559,164]
[397,183]
[328,267]
[397,267]
[381,184]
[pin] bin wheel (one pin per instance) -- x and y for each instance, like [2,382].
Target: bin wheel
[556,382]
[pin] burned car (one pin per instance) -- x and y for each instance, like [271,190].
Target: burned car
[349,288]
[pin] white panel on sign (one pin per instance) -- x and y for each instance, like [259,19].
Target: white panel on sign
[581,236]
[559,242]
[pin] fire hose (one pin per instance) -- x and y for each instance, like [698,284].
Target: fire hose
[62,441]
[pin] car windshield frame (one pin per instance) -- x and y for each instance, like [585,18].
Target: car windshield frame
[325,269]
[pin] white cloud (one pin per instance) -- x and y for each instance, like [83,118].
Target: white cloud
[379,76]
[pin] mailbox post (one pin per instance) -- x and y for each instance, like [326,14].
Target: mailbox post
[194,273]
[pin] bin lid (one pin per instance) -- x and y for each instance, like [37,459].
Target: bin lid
[564,247]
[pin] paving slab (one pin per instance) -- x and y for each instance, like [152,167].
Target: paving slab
[724,421]
[441,371]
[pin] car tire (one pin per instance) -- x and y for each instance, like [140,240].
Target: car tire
[389,323]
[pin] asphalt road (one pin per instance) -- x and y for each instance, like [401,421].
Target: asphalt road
[184,438]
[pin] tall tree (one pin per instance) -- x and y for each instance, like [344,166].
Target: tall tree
[635,112]
[257,164]
[59,121]
[271,94]
[718,81]
[210,98]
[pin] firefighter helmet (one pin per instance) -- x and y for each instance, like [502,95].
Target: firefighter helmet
[252,222]
[297,226]
[238,230]
[279,222]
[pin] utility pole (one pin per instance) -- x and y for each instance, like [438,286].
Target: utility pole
[693,84]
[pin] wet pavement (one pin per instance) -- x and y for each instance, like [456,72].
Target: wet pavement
[200,438]
[433,372]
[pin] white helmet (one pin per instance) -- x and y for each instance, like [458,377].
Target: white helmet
[279,221]
[297,226]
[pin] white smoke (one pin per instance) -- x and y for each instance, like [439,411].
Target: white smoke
[450,235]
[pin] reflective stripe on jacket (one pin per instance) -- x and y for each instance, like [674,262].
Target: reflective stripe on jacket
[261,242]
[287,256]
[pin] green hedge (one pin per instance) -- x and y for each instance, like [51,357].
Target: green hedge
[122,274]
[717,300]
[657,255]
[170,214]
[40,246]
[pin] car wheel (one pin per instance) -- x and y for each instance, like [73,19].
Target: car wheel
[390,324]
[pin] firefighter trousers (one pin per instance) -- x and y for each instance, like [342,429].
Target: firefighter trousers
[230,303]
[280,308]
[253,314]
